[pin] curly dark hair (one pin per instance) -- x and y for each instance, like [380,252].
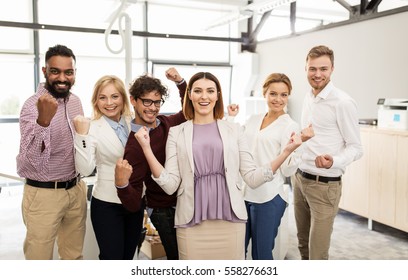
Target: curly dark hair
[145,84]
[59,50]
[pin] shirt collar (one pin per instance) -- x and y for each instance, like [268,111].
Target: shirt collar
[135,127]
[114,124]
[325,92]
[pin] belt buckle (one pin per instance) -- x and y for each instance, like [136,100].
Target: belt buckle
[323,179]
[56,184]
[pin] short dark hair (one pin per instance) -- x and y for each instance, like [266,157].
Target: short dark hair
[145,84]
[59,50]
[188,108]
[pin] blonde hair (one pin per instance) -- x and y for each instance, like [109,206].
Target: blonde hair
[120,87]
[277,78]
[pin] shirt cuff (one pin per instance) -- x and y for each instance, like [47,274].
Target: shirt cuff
[179,83]
[122,187]
[268,174]
[163,178]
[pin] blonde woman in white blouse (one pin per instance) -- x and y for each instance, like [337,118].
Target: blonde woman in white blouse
[267,135]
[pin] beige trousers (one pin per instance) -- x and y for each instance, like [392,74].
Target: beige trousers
[315,205]
[54,214]
[212,240]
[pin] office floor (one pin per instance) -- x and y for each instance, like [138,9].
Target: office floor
[351,239]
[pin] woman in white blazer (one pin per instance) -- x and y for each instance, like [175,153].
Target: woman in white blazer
[204,158]
[99,143]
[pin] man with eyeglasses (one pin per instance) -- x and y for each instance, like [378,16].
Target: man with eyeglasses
[54,199]
[147,94]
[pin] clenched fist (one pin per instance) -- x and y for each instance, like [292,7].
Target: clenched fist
[82,124]
[324,161]
[233,110]
[173,75]
[307,133]
[142,136]
[123,170]
[47,107]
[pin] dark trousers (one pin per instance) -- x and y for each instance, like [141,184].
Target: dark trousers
[262,226]
[117,230]
[163,221]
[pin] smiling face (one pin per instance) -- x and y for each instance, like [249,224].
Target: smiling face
[110,102]
[146,115]
[319,70]
[59,74]
[203,95]
[276,97]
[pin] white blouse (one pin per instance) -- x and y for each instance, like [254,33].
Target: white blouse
[266,144]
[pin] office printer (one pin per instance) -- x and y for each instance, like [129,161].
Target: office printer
[393,113]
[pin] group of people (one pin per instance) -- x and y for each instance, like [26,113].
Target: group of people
[209,185]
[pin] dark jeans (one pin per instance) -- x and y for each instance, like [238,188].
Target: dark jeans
[117,230]
[163,221]
[262,226]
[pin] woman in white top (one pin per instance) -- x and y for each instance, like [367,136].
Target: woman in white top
[99,143]
[267,135]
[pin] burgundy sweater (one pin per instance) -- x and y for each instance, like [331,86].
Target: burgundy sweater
[131,196]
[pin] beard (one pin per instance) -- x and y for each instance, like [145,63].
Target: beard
[55,91]
[143,120]
[319,86]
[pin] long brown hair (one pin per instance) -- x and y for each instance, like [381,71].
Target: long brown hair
[188,108]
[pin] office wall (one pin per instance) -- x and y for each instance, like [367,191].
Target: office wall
[371,59]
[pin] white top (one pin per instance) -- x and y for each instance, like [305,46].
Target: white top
[266,145]
[333,115]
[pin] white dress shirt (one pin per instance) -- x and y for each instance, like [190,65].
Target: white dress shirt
[333,115]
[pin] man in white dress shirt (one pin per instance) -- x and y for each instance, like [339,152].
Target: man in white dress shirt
[317,183]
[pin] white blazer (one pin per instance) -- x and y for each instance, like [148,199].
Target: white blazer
[178,174]
[101,148]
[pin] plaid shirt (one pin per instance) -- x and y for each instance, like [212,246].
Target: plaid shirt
[47,153]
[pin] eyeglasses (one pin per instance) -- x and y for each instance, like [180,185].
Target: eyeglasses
[149,102]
